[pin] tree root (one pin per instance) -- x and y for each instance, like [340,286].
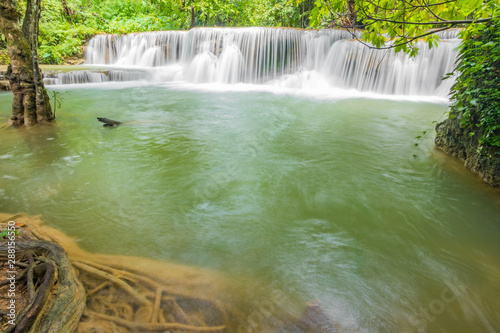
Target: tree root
[59,298]
[56,298]
[93,293]
[119,295]
[132,292]
[83,295]
[144,327]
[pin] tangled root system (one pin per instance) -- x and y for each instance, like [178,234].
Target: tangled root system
[61,288]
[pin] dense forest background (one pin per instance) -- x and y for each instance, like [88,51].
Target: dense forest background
[67,24]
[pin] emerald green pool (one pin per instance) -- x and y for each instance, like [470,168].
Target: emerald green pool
[319,198]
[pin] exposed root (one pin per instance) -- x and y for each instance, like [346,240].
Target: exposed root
[82,295]
[59,297]
[117,296]
[31,285]
[95,293]
[144,327]
[137,296]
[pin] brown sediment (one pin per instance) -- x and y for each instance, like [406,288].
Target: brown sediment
[62,288]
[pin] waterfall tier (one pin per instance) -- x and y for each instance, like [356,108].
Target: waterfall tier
[291,58]
[94,76]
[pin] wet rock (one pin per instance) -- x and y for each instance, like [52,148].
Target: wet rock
[456,141]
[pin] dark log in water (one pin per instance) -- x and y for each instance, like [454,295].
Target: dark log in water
[108,122]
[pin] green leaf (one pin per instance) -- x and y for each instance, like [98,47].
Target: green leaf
[5,233]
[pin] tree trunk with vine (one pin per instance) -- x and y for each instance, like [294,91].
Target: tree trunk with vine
[31,103]
[31,30]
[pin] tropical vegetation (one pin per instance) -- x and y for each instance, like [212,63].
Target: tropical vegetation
[476,93]
[67,24]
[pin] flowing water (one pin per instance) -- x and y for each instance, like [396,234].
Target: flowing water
[319,196]
[287,58]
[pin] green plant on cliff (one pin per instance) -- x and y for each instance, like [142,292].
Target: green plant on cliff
[476,93]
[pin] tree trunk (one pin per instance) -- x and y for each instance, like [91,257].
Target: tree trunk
[28,107]
[68,12]
[353,15]
[31,30]
[192,18]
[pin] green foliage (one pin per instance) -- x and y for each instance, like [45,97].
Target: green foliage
[476,93]
[6,233]
[58,99]
[405,22]
[276,13]
[4,59]
[64,29]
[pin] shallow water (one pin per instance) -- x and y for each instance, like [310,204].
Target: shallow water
[318,198]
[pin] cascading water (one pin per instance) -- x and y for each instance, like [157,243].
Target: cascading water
[353,65]
[94,76]
[290,58]
[146,49]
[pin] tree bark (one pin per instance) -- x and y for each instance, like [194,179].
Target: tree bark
[353,15]
[192,18]
[68,12]
[31,104]
[31,30]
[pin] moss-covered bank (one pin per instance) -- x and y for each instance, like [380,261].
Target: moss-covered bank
[472,131]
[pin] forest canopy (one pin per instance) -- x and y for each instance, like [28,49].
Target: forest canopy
[66,24]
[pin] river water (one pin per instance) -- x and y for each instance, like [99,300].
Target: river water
[323,199]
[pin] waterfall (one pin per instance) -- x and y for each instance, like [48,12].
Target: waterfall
[353,65]
[148,49]
[291,58]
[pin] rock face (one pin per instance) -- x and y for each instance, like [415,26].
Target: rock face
[456,141]
[4,86]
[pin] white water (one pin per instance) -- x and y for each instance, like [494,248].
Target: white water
[325,60]
[95,76]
